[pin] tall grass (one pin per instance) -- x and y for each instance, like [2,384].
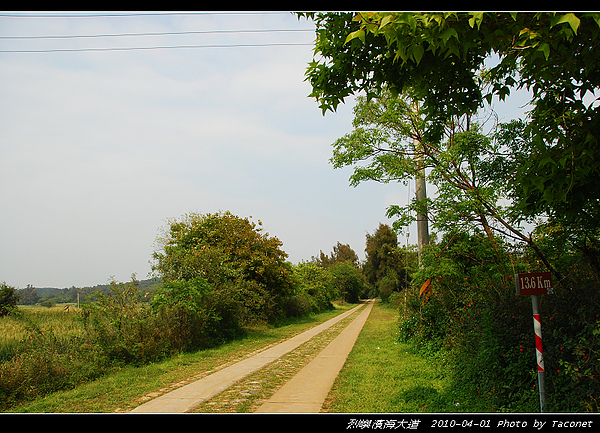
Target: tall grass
[12,331]
[62,321]
[44,350]
[48,350]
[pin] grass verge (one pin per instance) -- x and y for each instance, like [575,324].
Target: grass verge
[382,375]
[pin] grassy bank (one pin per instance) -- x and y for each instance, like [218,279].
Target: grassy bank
[129,386]
[383,375]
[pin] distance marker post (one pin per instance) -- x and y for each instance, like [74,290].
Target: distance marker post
[535,284]
[537,328]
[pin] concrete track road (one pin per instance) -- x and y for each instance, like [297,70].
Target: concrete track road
[305,392]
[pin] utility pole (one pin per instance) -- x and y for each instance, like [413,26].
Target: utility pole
[421,194]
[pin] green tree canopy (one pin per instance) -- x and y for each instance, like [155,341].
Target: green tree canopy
[348,280]
[379,251]
[441,58]
[384,269]
[341,253]
[229,252]
[317,283]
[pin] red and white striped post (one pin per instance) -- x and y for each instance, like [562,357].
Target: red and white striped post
[535,284]
[537,328]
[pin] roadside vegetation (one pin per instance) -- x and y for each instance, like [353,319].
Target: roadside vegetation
[510,196]
[221,277]
[476,327]
[127,386]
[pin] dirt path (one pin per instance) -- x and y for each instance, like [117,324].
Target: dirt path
[189,397]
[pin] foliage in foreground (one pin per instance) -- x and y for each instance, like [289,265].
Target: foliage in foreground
[477,327]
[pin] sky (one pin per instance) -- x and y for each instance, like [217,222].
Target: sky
[99,149]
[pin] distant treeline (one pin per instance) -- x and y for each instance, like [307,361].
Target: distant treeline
[39,295]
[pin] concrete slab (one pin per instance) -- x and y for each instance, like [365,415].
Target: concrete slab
[306,392]
[187,397]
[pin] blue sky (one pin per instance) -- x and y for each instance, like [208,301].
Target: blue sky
[99,149]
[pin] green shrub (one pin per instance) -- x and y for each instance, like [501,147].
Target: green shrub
[48,303]
[476,325]
[396,299]
[184,313]
[234,257]
[123,327]
[298,305]
[348,281]
[8,299]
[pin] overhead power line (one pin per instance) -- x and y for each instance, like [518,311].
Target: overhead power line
[54,50]
[127,14]
[192,32]
[145,34]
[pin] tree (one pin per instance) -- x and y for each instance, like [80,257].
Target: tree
[8,299]
[348,281]
[232,255]
[28,295]
[314,284]
[379,251]
[387,145]
[472,172]
[388,140]
[341,253]
[441,58]
[383,268]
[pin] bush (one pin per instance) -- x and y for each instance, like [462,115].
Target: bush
[298,305]
[193,315]
[396,299]
[183,317]
[123,327]
[233,256]
[8,299]
[313,287]
[348,281]
[48,303]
